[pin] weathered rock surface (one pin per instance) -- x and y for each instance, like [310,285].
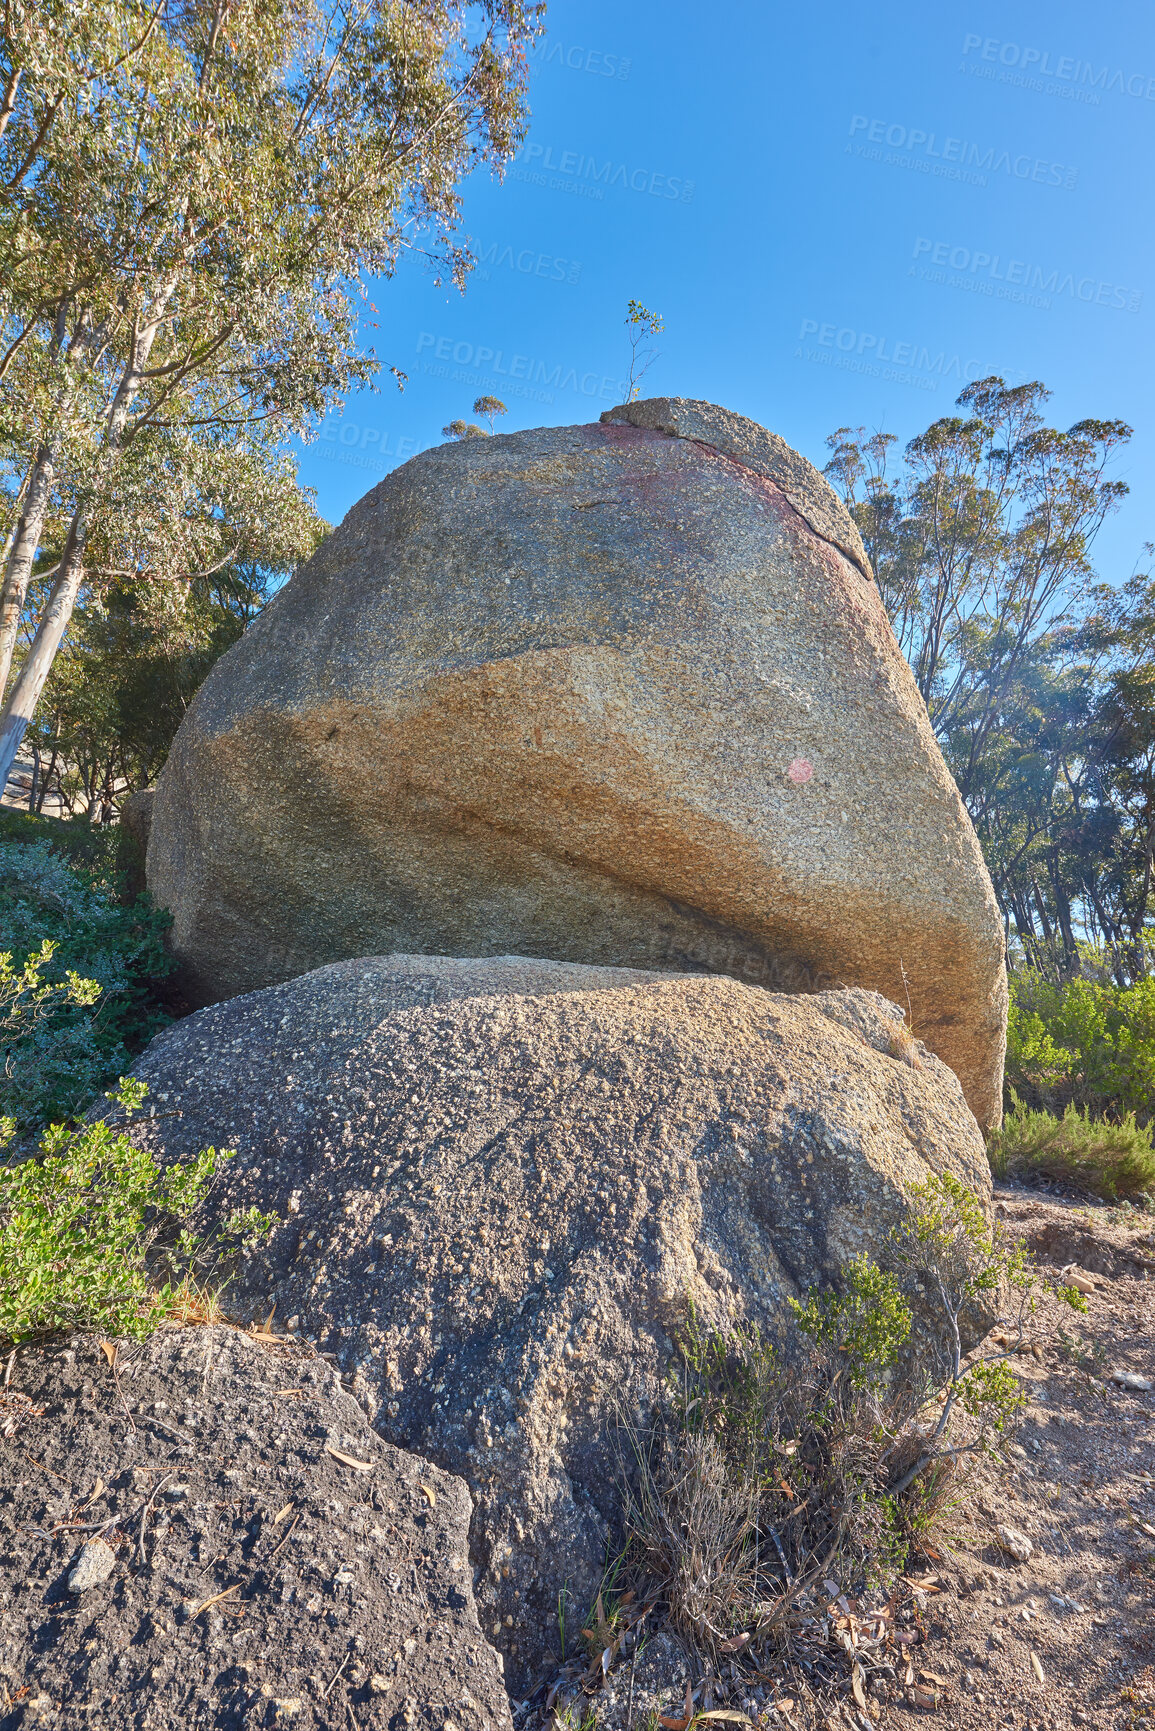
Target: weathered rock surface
[621,693]
[501,1180]
[345,1595]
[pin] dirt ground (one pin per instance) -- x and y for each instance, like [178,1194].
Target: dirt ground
[1079,1481]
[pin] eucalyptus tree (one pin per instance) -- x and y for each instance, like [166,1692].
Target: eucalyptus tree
[192,195]
[981,544]
[1038,679]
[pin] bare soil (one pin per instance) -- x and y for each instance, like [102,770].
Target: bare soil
[1079,1480]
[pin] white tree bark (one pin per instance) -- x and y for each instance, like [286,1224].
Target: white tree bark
[22,555]
[25,693]
[20,705]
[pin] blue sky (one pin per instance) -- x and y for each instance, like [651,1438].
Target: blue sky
[841,212]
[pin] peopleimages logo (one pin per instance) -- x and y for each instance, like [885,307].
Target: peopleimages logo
[879,356]
[955,158]
[1067,68]
[1016,279]
[588,177]
[520,375]
[527,261]
[595,60]
[362,447]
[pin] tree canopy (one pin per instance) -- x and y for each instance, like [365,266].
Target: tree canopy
[1038,678]
[191,192]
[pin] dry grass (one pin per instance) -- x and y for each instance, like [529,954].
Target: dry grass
[763,1479]
[901,1045]
[693,1522]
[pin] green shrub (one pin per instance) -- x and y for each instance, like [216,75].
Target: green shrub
[1085,1043]
[1086,1153]
[98,848]
[94,1235]
[775,1466]
[62,921]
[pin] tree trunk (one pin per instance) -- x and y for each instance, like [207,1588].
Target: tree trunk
[20,704]
[25,694]
[22,556]
[46,781]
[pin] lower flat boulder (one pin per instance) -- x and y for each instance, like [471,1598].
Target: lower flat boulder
[501,1181]
[214,1535]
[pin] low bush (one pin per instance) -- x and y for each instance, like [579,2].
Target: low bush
[82,970]
[775,1466]
[1086,1043]
[94,1235]
[1112,1160]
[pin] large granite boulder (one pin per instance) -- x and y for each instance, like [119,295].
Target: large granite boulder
[502,1181]
[622,693]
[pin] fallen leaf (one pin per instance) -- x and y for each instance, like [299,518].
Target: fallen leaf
[733,1644]
[856,1683]
[430,1495]
[108,1348]
[348,1461]
[679,1724]
[1037,1666]
[933,1678]
[730,1713]
[281,1513]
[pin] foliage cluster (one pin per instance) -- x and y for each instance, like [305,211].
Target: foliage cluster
[1114,1160]
[193,194]
[79,975]
[487,408]
[776,1465]
[642,326]
[130,666]
[1039,681]
[1084,1041]
[95,1235]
